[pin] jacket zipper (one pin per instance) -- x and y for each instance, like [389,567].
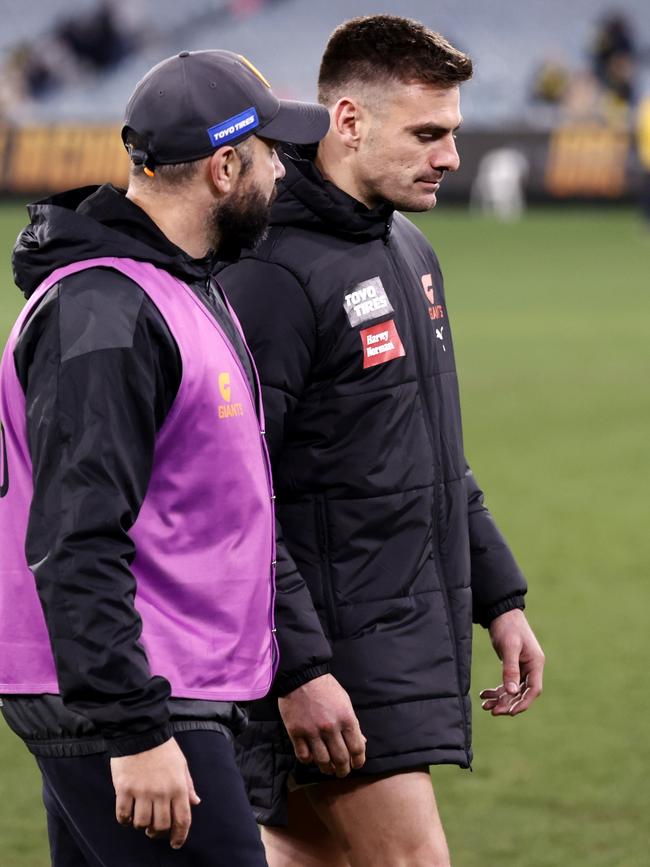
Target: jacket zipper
[326,576]
[436,502]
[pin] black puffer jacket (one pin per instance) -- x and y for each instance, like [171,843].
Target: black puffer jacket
[345,312]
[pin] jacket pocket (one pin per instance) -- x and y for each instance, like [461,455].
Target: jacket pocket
[325,567]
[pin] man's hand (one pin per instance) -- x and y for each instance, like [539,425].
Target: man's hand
[523,665]
[323,726]
[154,791]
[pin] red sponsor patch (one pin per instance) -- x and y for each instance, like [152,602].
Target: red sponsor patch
[381,343]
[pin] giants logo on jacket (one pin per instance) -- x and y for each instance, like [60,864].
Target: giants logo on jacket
[436,311]
[228,409]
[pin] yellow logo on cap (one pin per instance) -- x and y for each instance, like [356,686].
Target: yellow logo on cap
[253,69]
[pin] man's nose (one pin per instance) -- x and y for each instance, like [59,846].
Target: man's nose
[446,158]
[280,170]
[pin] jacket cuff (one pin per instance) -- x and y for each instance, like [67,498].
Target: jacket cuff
[486,616]
[286,683]
[132,744]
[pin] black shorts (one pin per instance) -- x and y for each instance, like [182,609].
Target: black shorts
[80,804]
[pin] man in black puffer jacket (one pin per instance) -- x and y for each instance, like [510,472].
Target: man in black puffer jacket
[345,312]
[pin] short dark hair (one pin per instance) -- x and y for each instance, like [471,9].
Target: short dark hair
[382,48]
[176,174]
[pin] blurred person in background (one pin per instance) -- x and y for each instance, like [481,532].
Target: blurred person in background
[550,82]
[613,56]
[384,523]
[643,150]
[136,516]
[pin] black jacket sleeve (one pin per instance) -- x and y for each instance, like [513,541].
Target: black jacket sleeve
[280,328]
[100,370]
[498,584]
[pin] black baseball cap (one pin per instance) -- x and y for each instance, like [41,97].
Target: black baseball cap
[189,105]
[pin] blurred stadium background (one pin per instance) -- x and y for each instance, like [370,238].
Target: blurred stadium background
[544,236]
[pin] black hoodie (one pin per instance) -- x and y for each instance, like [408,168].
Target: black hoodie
[99,367]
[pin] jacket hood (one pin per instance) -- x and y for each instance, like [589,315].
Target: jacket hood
[306,199]
[94,222]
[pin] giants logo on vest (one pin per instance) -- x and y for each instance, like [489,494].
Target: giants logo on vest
[436,311]
[228,409]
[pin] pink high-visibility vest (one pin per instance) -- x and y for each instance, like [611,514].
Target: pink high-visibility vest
[204,537]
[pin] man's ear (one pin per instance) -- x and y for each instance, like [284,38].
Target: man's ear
[349,120]
[224,167]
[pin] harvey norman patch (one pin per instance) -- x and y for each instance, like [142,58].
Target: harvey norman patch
[367,300]
[234,126]
[381,343]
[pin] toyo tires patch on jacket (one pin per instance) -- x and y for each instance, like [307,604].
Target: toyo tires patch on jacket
[367,300]
[381,343]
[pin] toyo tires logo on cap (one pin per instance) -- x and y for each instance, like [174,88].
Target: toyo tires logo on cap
[224,132]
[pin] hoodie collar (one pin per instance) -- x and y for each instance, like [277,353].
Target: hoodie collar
[94,222]
[305,198]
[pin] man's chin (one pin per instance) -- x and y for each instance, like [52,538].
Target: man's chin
[417,205]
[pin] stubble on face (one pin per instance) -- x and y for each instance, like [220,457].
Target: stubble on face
[394,163]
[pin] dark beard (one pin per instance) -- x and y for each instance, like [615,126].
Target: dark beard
[240,222]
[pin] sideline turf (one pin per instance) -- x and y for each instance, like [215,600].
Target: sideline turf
[551,319]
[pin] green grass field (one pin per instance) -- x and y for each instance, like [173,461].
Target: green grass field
[552,327]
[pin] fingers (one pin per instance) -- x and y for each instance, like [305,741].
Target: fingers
[194,798]
[334,752]
[523,665]
[302,751]
[173,819]
[338,752]
[181,821]
[533,688]
[339,757]
[322,725]
[142,813]
[160,807]
[499,701]
[356,745]
[321,754]
[161,820]
[511,672]
[124,809]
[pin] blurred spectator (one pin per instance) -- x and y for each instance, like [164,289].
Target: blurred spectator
[35,69]
[243,8]
[582,101]
[498,188]
[643,150]
[97,39]
[550,82]
[76,46]
[613,57]
[12,84]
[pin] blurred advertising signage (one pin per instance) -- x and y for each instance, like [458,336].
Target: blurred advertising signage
[45,159]
[587,160]
[578,161]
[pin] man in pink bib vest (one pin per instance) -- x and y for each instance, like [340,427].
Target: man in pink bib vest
[136,504]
